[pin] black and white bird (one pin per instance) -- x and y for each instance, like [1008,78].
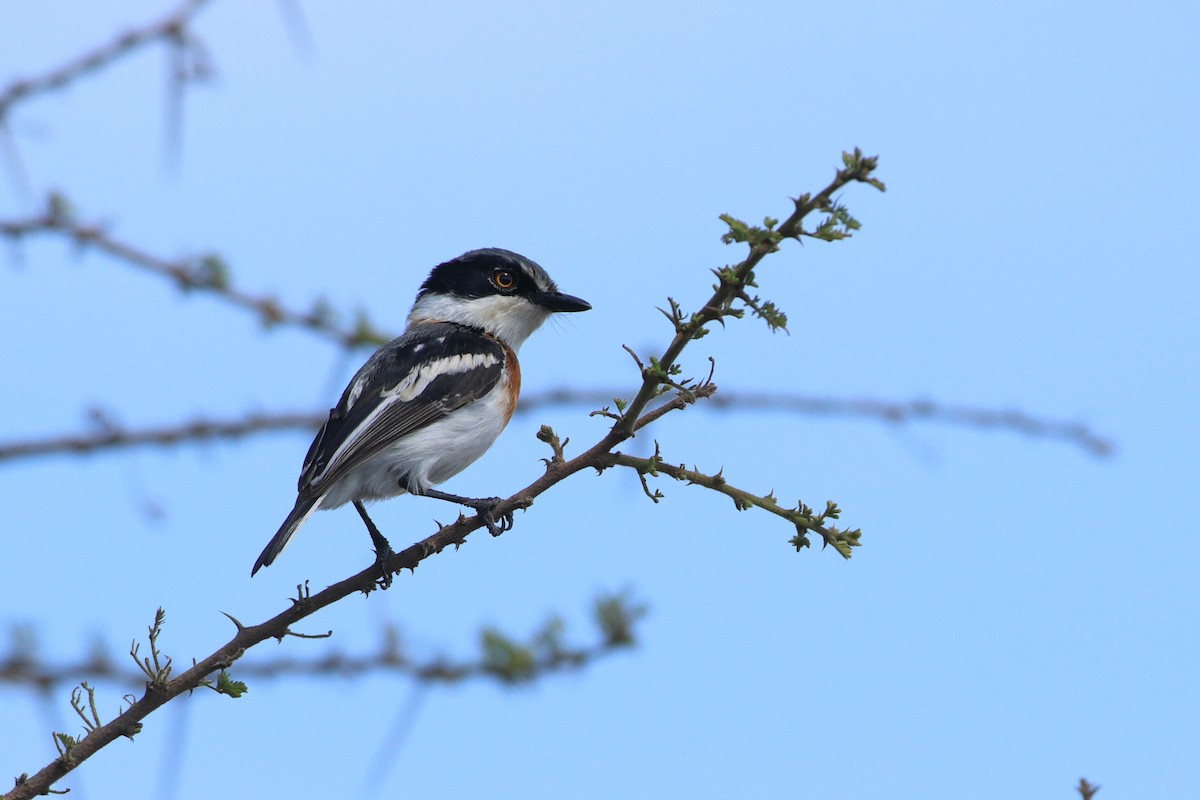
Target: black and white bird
[432,401]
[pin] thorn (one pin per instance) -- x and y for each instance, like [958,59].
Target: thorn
[240,627]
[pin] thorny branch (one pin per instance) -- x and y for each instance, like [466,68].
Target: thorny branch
[659,375]
[732,282]
[108,434]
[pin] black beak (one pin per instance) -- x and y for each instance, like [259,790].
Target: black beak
[558,302]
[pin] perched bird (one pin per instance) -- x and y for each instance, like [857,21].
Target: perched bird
[430,402]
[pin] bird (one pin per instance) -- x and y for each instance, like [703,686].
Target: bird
[430,402]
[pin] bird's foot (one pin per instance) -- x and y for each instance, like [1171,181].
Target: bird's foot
[485,507]
[383,548]
[383,551]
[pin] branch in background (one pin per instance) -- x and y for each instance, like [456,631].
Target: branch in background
[1009,420]
[502,658]
[893,411]
[189,63]
[172,29]
[110,435]
[208,273]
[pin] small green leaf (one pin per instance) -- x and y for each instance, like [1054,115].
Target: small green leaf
[227,685]
[738,230]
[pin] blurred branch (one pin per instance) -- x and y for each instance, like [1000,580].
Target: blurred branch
[503,658]
[208,273]
[892,411]
[904,411]
[1086,790]
[659,375]
[110,435]
[172,29]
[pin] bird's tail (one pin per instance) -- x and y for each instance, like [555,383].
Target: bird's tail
[304,507]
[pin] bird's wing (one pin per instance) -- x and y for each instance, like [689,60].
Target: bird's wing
[407,384]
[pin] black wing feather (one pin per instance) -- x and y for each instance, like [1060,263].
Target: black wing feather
[382,372]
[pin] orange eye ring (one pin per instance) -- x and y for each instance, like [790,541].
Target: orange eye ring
[504,279]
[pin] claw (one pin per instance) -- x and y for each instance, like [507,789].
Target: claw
[382,554]
[485,507]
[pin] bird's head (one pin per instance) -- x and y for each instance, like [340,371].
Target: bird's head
[497,291]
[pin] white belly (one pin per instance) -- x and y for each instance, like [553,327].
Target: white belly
[427,457]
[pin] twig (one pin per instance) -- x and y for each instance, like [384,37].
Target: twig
[733,281]
[802,516]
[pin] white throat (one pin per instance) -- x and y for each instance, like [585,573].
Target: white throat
[509,319]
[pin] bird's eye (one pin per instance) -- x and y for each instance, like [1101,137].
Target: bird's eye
[503,279]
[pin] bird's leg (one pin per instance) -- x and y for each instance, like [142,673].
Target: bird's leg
[485,507]
[383,550]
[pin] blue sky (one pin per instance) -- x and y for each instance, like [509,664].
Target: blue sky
[1020,613]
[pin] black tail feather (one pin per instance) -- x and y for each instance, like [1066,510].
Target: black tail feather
[304,507]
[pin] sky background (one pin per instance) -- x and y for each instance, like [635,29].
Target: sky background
[1021,613]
